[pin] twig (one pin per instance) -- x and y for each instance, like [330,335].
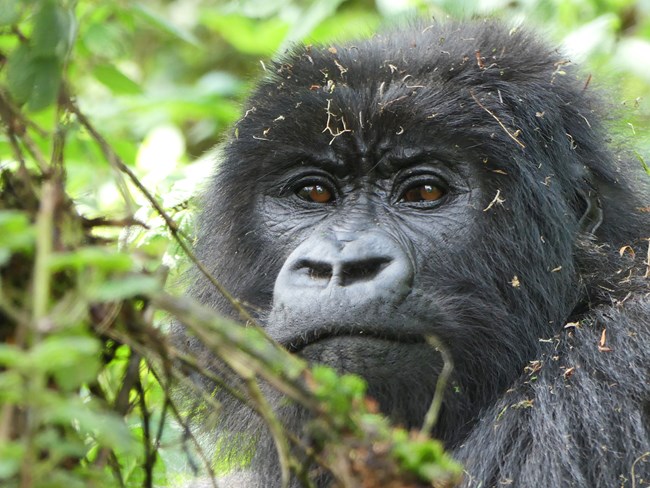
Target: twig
[27,333]
[15,314]
[58,141]
[106,222]
[15,147]
[497,199]
[15,126]
[275,427]
[44,234]
[640,458]
[431,418]
[510,134]
[112,157]
[6,422]
[152,353]
[150,454]
[116,469]
[35,153]
[188,432]
[328,127]
[17,114]
[233,344]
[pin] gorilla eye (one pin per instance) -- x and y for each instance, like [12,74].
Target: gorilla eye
[315,194]
[422,194]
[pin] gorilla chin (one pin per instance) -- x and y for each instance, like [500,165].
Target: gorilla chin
[449,180]
[392,369]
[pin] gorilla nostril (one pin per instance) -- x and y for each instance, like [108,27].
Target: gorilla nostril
[366,270]
[315,270]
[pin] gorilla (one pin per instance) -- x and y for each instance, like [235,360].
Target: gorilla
[453,180]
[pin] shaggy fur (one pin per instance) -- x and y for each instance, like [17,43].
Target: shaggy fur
[548,323]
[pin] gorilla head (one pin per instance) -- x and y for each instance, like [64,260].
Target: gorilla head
[448,180]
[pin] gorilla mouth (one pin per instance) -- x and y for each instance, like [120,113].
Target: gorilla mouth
[299,343]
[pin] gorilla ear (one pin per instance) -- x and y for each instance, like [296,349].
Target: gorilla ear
[593,214]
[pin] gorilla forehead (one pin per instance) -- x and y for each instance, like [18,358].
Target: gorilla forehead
[454,85]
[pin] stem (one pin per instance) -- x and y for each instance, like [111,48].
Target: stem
[44,230]
[431,418]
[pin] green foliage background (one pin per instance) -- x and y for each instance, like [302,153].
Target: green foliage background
[163,81]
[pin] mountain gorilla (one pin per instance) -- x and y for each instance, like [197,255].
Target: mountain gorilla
[449,180]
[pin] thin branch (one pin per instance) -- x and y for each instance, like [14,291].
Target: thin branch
[151,354]
[505,129]
[497,199]
[44,244]
[637,460]
[431,418]
[275,428]
[150,455]
[112,157]
[233,344]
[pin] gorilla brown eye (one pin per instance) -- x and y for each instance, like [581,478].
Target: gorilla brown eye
[316,194]
[422,193]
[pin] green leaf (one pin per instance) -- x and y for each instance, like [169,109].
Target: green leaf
[54,30]
[641,159]
[9,12]
[249,35]
[50,439]
[107,428]
[313,15]
[106,40]
[47,81]
[12,356]
[56,352]
[20,73]
[115,80]
[11,455]
[163,24]
[103,259]
[72,360]
[12,389]
[120,289]
[36,81]
[83,371]
[16,233]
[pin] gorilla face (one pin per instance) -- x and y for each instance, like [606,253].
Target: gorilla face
[379,193]
[360,227]
[359,230]
[382,245]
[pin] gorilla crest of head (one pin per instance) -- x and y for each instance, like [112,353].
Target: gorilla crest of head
[449,180]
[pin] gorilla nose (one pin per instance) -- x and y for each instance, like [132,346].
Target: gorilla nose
[326,271]
[344,273]
[363,270]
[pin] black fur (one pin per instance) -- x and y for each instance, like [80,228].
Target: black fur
[548,325]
